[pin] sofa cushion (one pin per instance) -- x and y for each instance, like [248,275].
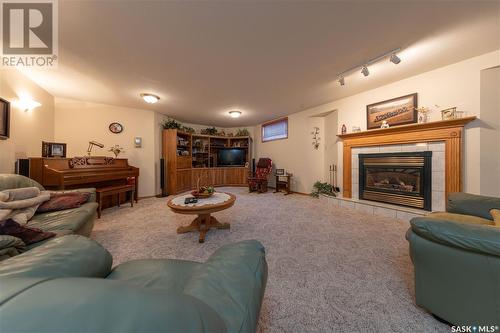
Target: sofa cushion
[62,201]
[69,219]
[460,218]
[495,213]
[10,246]
[10,181]
[100,306]
[67,256]
[166,274]
[483,239]
[28,235]
[471,204]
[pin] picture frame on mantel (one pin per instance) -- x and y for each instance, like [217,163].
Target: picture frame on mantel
[4,119]
[396,111]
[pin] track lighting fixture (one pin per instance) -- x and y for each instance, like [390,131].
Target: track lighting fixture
[365,71]
[395,59]
[364,66]
[342,80]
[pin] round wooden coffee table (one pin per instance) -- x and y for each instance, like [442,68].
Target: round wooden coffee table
[204,221]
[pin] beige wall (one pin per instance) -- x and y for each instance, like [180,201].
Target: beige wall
[297,154]
[454,85]
[77,123]
[27,129]
[490,131]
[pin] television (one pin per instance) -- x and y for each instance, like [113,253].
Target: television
[231,157]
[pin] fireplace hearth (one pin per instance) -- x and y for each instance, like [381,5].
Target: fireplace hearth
[397,178]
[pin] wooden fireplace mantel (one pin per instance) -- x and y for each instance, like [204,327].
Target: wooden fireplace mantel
[449,131]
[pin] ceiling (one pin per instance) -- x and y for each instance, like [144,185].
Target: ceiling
[268,59]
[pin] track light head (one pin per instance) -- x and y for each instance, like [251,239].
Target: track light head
[341,80]
[395,59]
[365,71]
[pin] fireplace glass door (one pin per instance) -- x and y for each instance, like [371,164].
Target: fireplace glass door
[396,178]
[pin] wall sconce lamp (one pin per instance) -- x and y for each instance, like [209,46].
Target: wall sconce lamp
[27,104]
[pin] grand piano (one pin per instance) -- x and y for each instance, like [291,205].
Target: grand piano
[79,172]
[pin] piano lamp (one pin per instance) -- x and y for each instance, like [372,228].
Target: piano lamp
[92,144]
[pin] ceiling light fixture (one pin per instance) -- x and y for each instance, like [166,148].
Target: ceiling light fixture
[235,114]
[365,71]
[342,80]
[150,98]
[395,59]
[364,66]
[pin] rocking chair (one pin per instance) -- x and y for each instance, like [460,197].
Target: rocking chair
[258,182]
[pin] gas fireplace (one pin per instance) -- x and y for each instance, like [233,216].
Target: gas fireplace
[397,178]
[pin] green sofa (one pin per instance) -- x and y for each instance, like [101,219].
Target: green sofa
[67,285]
[78,221]
[456,255]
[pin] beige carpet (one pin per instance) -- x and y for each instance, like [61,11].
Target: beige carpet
[331,269]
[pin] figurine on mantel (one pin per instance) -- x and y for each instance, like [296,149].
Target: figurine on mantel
[385,124]
[344,129]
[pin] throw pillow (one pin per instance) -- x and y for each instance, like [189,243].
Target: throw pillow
[495,213]
[27,234]
[64,200]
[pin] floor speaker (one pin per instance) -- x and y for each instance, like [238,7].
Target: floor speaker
[163,185]
[22,166]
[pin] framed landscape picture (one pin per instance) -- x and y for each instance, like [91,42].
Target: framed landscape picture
[4,119]
[396,111]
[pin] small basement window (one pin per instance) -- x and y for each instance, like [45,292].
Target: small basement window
[275,130]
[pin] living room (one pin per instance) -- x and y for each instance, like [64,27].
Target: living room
[249,166]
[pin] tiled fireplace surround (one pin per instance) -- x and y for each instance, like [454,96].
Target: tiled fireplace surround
[399,212]
[443,138]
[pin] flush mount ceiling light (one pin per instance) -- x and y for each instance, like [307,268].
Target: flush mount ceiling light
[365,71]
[364,66]
[235,113]
[150,98]
[395,59]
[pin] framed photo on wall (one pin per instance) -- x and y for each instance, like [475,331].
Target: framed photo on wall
[53,149]
[396,111]
[4,119]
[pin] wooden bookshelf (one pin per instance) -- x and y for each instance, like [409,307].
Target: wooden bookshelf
[192,156]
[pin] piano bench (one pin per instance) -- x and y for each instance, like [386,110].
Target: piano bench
[114,190]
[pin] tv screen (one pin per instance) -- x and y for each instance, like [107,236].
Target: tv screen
[231,157]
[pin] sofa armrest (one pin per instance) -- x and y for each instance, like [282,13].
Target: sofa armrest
[91,190]
[232,282]
[482,239]
[100,306]
[67,256]
[471,204]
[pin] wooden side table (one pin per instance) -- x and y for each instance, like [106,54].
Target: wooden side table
[283,182]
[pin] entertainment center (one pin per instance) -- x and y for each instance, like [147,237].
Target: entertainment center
[215,160]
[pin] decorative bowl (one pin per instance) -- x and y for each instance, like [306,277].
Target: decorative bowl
[198,195]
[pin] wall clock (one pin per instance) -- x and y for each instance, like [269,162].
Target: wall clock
[116,128]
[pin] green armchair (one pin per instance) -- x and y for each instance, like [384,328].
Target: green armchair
[68,285]
[456,255]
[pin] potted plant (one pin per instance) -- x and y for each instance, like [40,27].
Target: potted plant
[171,123]
[322,188]
[242,132]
